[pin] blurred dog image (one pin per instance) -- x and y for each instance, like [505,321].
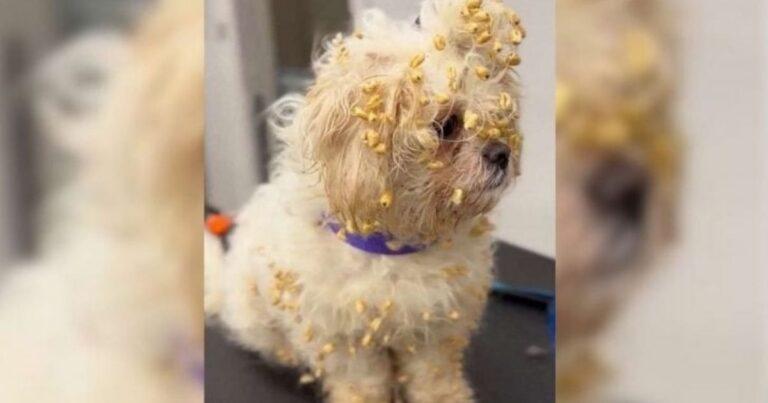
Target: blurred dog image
[366,261]
[616,170]
[111,310]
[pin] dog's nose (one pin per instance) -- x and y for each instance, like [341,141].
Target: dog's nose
[496,154]
[620,189]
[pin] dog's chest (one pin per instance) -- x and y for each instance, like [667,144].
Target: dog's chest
[347,292]
[309,275]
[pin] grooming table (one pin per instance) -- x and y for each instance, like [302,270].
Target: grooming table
[511,359]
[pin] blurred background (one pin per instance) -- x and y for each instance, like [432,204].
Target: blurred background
[697,330]
[257,51]
[54,58]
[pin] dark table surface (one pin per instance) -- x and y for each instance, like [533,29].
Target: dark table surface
[500,363]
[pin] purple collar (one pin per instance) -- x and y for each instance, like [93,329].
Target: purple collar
[375,242]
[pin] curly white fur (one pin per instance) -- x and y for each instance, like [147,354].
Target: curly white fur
[363,323]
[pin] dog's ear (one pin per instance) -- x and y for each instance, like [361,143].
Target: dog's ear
[348,122]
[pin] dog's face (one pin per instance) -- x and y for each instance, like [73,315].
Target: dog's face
[616,155]
[414,127]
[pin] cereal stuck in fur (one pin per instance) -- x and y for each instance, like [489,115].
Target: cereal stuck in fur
[390,141]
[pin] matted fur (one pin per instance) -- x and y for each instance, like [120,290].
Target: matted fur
[366,324]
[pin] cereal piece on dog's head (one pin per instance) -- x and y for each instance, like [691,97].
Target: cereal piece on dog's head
[471,120]
[371,138]
[483,37]
[497,47]
[505,100]
[513,60]
[360,306]
[433,165]
[309,334]
[474,4]
[366,340]
[482,72]
[386,199]
[328,348]
[516,36]
[458,196]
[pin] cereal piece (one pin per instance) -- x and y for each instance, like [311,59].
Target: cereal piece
[309,334]
[481,16]
[483,37]
[482,72]
[417,60]
[516,36]
[376,324]
[416,76]
[386,199]
[360,306]
[328,348]
[458,196]
[439,42]
[505,100]
[366,340]
[434,165]
[474,4]
[513,60]
[471,120]
[497,47]
[372,138]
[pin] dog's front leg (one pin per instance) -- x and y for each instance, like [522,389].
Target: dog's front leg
[364,377]
[435,374]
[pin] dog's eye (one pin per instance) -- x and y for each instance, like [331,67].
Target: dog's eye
[449,128]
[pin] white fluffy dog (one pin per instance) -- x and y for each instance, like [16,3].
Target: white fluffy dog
[367,259]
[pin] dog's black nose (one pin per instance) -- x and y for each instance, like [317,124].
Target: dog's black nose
[496,154]
[620,189]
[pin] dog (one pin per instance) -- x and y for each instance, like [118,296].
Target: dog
[617,171]
[110,309]
[366,260]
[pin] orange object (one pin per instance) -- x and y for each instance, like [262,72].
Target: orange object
[218,224]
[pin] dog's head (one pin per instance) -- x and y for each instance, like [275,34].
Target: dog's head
[414,126]
[617,152]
